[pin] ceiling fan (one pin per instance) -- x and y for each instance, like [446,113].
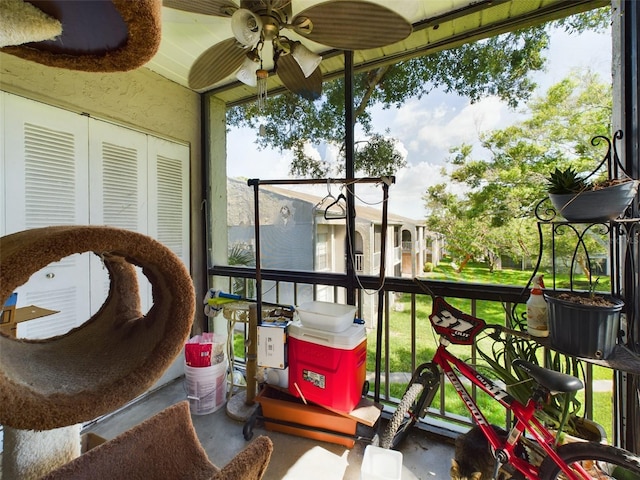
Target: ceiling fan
[340,24]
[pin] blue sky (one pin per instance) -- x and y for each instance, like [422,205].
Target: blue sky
[428,127]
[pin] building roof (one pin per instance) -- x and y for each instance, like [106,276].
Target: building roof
[363,212]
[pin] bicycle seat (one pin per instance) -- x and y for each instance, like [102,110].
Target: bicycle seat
[554,381]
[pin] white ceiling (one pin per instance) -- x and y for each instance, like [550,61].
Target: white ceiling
[437,24]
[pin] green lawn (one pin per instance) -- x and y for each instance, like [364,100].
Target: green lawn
[479,273]
[491,312]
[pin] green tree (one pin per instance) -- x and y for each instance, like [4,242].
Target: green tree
[498,66]
[240,255]
[498,194]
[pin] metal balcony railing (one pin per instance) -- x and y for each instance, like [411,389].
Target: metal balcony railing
[358,262]
[286,287]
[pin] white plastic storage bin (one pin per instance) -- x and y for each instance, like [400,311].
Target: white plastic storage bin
[381,464]
[327,316]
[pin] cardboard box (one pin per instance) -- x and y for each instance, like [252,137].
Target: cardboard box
[23,314]
[303,420]
[9,310]
[272,344]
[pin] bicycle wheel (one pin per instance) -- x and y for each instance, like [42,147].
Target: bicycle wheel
[599,460]
[416,399]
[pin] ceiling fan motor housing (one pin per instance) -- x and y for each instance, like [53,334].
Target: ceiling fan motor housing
[274,17]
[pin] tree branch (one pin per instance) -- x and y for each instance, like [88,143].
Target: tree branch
[375,78]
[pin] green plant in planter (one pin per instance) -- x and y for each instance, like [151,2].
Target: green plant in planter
[565,181]
[581,200]
[584,324]
[561,411]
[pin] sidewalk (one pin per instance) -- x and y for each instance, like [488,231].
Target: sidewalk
[404,377]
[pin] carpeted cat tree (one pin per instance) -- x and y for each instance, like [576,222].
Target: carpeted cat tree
[89,36]
[48,387]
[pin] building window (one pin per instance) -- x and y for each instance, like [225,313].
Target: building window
[322,252]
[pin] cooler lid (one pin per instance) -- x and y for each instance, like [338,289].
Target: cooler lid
[345,340]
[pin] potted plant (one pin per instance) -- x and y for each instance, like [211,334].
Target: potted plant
[584,324]
[581,200]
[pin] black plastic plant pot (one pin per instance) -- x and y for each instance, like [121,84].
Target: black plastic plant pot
[581,330]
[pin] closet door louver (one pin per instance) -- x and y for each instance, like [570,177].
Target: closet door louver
[169,195]
[46,183]
[118,192]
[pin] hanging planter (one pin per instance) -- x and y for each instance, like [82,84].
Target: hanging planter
[592,198]
[583,324]
[596,203]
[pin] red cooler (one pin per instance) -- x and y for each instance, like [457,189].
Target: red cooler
[328,368]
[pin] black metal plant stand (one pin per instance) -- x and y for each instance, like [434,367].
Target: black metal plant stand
[623,237]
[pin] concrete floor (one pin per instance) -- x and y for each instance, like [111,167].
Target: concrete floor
[294,458]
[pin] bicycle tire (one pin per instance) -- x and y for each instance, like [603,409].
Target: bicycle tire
[416,399]
[612,462]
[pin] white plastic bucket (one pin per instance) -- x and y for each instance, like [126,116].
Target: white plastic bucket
[206,387]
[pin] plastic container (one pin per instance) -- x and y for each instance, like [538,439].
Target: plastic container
[303,420]
[537,318]
[277,376]
[328,368]
[327,316]
[584,330]
[206,387]
[381,464]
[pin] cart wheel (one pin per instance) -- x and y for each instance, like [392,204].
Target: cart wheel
[365,388]
[247,430]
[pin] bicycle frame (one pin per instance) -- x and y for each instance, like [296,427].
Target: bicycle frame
[523,414]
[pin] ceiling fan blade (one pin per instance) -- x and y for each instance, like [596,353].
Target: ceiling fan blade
[216,63]
[352,25]
[218,8]
[292,77]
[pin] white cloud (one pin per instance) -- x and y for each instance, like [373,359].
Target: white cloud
[405,195]
[429,133]
[245,160]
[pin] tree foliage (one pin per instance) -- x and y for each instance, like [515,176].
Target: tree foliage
[498,66]
[502,189]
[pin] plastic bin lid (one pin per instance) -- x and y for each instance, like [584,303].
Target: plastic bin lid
[345,340]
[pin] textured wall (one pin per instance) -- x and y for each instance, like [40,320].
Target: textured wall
[140,98]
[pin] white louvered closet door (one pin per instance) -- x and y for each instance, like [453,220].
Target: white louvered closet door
[169,195]
[46,183]
[118,194]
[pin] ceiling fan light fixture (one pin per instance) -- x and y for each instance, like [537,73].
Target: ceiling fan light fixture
[307,60]
[247,72]
[246,26]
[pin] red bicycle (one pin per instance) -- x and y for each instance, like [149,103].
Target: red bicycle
[579,460]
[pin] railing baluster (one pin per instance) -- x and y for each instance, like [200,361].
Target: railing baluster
[414,353]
